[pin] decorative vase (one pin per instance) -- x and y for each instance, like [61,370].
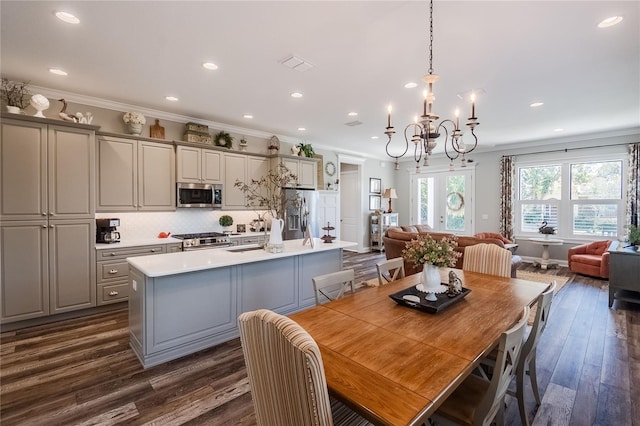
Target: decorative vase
[13,109]
[39,103]
[430,279]
[134,128]
[275,244]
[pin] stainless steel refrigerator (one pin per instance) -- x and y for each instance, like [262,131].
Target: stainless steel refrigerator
[300,209]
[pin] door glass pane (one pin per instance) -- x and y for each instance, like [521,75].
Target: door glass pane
[426,212]
[455,197]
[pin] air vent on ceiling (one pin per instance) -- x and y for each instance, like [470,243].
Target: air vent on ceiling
[353,123]
[296,63]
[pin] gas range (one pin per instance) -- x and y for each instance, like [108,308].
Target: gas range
[204,240]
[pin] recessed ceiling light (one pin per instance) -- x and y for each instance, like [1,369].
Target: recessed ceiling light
[171,98]
[352,114]
[536,104]
[610,22]
[67,17]
[302,129]
[210,66]
[375,137]
[57,71]
[296,95]
[558,130]
[410,85]
[248,116]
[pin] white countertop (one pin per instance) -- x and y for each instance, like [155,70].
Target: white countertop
[189,261]
[153,241]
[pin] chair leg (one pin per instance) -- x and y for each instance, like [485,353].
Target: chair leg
[520,394]
[534,378]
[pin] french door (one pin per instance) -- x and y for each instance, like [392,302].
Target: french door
[442,200]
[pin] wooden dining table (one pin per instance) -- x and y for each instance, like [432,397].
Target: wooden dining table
[394,364]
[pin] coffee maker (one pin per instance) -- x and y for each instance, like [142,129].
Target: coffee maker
[106,231]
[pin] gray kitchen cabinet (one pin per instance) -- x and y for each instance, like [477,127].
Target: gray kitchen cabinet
[135,175]
[47,212]
[624,270]
[112,269]
[304,168]
[243,168]
[198,165]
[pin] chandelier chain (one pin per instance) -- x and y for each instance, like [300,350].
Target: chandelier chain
[431,37]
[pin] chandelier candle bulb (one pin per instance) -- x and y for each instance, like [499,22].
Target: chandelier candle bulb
[389,116]
[473,105]
[457,119]
[424,108]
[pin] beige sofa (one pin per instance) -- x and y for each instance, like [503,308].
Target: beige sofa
[395,239]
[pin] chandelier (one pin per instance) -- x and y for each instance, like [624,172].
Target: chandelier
[425,129]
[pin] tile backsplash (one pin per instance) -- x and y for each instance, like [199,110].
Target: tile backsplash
[140,225]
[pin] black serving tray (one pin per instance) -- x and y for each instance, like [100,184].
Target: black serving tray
[425,305]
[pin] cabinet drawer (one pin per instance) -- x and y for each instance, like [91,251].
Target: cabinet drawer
[113,293]
[252,240]
[111,271]
[123,253]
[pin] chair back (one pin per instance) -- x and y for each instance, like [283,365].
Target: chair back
[390,270]
[539,323]
[487,259]
[509,349]
[332,286]
[285,371]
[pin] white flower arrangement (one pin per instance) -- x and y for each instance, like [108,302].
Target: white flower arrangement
[133,117]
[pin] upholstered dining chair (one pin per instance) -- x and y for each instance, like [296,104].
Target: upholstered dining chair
[478,401]
[390,270]
[332,286]
[286,373]
[487,259]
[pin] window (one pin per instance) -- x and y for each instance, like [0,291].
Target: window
[578,198]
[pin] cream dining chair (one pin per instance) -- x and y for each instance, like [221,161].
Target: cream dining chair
[286,374]
[487,259]
[385,274]
[332,286]
[478,401]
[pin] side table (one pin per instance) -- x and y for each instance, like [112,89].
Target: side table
[544,262]
[624,270]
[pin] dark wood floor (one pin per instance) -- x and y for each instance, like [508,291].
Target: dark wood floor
[82,371]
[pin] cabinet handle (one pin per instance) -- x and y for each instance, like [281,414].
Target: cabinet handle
[113,271]
[153,250]
[51,214]
[44,226]
[112,254]
[113,293]
[44,213]
[50,226]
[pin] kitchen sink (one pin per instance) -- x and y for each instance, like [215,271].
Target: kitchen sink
[243,249]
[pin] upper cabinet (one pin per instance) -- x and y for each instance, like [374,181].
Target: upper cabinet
[198,165]
[135,175]
[305,169]
[47,171]
[243,168]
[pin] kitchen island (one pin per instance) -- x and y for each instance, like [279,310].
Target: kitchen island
[183,302]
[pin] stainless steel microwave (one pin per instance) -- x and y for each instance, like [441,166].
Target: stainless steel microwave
[199,195]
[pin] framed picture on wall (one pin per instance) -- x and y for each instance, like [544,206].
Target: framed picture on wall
[374,202]
[375,186]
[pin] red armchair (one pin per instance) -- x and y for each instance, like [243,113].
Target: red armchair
[590,259]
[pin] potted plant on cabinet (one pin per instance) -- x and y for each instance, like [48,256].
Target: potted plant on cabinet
[305,150]
[14,94]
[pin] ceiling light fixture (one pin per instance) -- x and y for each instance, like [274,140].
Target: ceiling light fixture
[247,116]
[302,129]
[558,130]
[210,66]
[67,17]
[352,114]
[410,85]
[425,128]
[375,137]
[610,22]
[57,71]
[536,104]
[296,95]
[171,98]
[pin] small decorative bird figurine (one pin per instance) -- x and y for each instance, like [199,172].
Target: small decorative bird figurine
[455,285]
[63,113]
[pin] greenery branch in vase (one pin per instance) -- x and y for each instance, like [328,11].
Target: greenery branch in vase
[431,254]
[266,194]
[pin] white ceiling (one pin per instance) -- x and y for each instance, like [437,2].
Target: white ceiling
[363,52]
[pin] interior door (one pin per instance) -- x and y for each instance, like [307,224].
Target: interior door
[443,201]
[349,206]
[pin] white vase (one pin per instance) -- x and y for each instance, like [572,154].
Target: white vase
[13,109]
[134,128]
[275,244]
[430,279]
